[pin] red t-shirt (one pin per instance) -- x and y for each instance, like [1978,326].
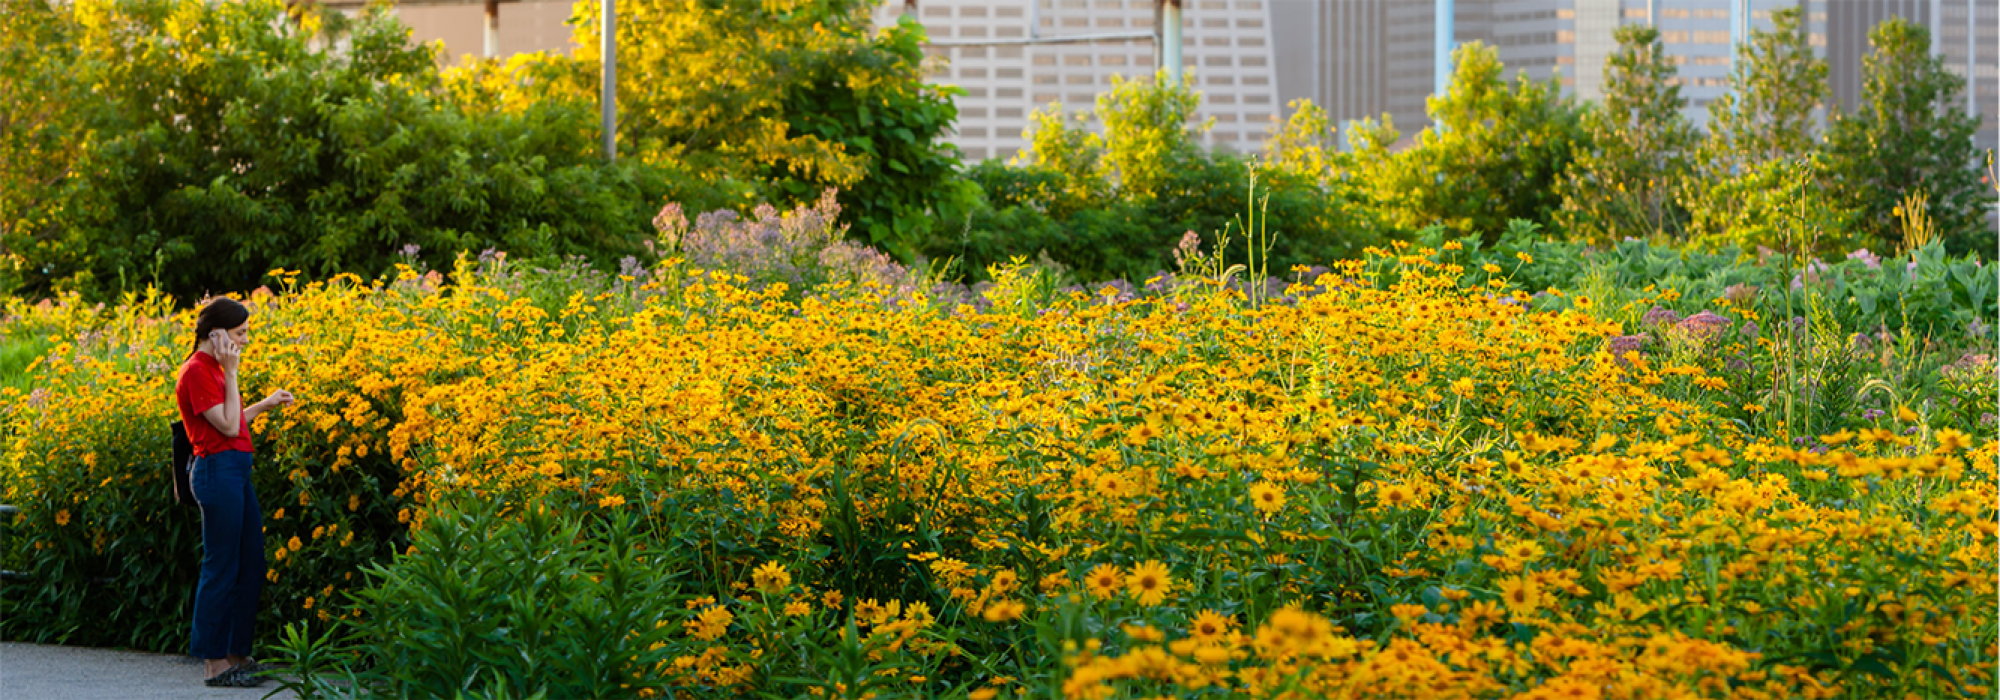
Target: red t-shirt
[199,389]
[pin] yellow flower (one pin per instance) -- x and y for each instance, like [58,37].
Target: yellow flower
[1104,581]
[798,608]
[1396,496]
[1463,386]
[1110,486]
[1521,595]
[1004,611]
[711,624]
[1952,440]
[1210,626]
[1267,497]
[771,577]
[295,544]
[611,501]
[62,517]
[1149,583]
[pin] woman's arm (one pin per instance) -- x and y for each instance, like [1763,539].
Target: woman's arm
[227,417]
[277,399]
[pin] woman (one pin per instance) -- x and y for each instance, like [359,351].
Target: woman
[232,529]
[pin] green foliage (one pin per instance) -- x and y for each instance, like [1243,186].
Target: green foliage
[1113,205]
[500,600]
[1781,205]
[1759,181]
[1911,135]
[1776,86]
[224,141]
[1495,154]
[1624,186]
[1930,293]
[39,126]
[772,100]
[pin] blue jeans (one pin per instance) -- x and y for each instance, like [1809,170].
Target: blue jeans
[232,556]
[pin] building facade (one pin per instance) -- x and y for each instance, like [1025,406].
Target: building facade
[1356,58]
[982,46]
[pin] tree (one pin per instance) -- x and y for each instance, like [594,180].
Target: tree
[1911,135]
[1115,204]
[221,143]
[1775,87]
[42,122]
[1761,136]
[1495,153]
[772,99]
[1625,185]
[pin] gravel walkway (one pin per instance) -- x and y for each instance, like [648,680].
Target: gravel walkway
[42,672]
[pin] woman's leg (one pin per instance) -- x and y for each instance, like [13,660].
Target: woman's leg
[249,570]
[216,489]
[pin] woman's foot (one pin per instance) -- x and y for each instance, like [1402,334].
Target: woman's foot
[237,676]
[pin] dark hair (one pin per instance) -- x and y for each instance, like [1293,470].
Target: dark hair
[221,314]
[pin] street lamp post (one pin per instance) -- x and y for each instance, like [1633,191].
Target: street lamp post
[607,51]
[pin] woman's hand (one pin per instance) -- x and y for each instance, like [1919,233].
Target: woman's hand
[225,351]
[278,399]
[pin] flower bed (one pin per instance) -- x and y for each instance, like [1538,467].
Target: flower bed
[1381,484]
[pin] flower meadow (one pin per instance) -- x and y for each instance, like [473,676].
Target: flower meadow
[1382,481]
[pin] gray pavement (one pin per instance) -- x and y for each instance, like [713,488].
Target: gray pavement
[43,672]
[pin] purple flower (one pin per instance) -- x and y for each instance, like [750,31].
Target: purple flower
[802,248]
[1704,327]
[1658,318]
[1621,345]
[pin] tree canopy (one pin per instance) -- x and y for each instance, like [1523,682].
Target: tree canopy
[1910,137]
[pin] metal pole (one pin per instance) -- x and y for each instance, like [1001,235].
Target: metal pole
[1735,33]
[492,28]
[1170,52]
[1652,18]
[1443,45]
[607,54]
[1937,29]
[1971,60]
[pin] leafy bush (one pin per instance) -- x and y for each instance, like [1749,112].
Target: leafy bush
[498,600]
[1497,152]
[1112,206]
[767,100]
[223,140]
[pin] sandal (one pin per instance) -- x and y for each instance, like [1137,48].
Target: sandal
[238,676]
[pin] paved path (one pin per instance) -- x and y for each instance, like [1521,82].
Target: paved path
[42,672]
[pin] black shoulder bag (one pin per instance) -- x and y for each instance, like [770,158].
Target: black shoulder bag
[182,464]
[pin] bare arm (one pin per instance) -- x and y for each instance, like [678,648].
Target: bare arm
[227,417]
[277,399]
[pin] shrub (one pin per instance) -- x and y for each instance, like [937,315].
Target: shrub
[1111,206]
[499,600]
[1340,488]
[223,140]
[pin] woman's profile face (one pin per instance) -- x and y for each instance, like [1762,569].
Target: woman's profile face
[240,335]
